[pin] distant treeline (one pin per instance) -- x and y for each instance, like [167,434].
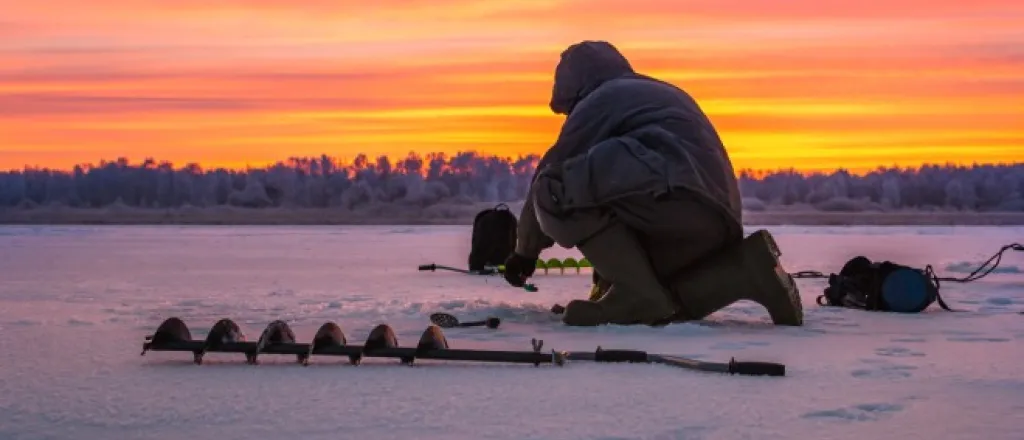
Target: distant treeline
[471,177]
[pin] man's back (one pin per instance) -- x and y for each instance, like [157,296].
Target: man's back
[633,101]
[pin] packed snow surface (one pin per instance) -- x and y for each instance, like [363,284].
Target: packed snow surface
[76,303]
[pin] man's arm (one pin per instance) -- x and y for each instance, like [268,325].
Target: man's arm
[532,240]
[592,121]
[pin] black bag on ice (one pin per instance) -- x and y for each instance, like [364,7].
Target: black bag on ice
[494,237]
[881,286]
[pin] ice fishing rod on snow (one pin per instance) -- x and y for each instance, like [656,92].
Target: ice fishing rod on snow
[561,264]
[329,340]
[489,270]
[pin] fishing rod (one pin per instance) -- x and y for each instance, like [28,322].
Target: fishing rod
[545,266]
[488,270]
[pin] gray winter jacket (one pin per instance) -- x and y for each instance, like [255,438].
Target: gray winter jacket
[626,133]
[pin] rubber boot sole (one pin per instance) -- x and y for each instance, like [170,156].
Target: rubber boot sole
[777,284]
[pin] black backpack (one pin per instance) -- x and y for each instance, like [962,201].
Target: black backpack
[881,286]
[494,237]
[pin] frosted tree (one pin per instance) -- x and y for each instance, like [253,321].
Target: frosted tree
[253,195]
[961,194]
[891,193]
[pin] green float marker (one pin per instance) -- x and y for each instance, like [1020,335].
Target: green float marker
[562,265]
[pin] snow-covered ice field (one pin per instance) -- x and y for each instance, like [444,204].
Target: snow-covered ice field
[76,303]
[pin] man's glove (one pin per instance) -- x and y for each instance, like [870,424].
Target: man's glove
[518,268]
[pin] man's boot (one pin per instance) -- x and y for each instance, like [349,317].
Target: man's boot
[749,270]
[634,297]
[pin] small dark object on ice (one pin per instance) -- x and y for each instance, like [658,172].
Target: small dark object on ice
[558,309]
[445,320]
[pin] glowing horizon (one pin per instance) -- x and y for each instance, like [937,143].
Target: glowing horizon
[788,83]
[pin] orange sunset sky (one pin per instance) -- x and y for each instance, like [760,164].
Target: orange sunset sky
[802,83]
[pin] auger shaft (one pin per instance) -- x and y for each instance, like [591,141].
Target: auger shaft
[406,353]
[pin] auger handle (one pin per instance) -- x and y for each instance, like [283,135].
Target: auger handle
[620,356]
[490,322]
[756,368]
[732,367]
